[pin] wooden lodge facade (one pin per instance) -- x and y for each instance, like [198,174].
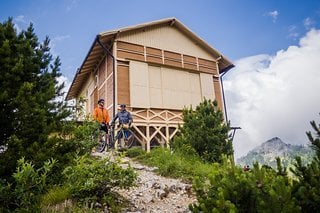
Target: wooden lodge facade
[156,69]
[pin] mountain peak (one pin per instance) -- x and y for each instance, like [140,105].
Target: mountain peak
[272,145]
[274,139]
[268,151]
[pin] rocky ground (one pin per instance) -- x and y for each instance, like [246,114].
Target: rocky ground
[154,193]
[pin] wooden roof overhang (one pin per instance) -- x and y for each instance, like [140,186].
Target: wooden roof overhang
[90,63]
[97,52]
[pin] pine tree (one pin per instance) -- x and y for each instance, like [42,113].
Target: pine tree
[29,95]
[306,189]
[231,189]
[205,131]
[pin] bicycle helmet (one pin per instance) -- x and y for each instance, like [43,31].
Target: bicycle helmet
[100,100]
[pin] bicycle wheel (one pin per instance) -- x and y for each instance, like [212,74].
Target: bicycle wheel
[111,140]
[102,142]
[117,145]
[131,140]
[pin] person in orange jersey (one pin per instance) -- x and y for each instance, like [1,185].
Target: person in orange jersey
[101,115]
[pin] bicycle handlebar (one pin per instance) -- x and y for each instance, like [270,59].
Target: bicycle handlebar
[127,126]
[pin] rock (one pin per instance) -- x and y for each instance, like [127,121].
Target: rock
[138,167]
[97,205]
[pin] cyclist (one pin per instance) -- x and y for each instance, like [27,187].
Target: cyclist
[125,120]
[101,115]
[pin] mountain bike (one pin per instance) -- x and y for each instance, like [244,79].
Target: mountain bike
[123,137]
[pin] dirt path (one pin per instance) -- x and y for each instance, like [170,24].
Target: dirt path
[155,193]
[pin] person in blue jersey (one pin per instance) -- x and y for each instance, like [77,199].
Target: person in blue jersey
[125,120]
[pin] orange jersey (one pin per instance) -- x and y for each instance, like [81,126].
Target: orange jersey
[101,115]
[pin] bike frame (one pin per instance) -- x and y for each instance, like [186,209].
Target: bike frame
[117,134]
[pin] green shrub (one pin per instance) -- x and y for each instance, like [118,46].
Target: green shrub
[91,180]
[230,189]
[204,132]
[85,136]
[75,139]
[28,185]
[6,196]
[135,152]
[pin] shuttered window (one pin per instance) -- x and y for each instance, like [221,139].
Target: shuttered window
[167,88]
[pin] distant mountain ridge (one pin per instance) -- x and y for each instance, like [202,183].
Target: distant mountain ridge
[267,152]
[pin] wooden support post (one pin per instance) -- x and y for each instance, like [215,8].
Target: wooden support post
[167,136]
[148,138]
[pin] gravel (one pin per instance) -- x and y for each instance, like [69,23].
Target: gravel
[154,193]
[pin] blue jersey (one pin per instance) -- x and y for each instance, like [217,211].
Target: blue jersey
[124,117]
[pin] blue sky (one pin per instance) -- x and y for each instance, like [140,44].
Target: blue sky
[263,38]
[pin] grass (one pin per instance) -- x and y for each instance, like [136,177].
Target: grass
[175,165]
[55,199]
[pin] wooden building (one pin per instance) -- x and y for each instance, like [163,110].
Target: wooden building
[156,69]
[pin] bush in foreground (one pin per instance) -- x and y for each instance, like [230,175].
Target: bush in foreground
[92,180]
[230,189]
[204,133]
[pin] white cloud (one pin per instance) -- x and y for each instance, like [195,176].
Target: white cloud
[71,4]
[19,20]
[293,32]
[277,95]
[273,14]
[62,79]
[61,38]
[308,23]
[55,41]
